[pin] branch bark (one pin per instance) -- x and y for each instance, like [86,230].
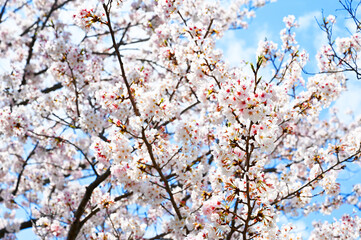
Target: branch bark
[132,100]
[23,225]
[76,225]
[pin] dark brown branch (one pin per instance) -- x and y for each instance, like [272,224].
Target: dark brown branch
[3,10]
[47,180]
[29,28]
[96,210]
[52,88]
[233,228]
[123,36]
[76,225]
[41,71]
[124,43]
[75,88]
[54,7]
[181,113]
[159,236]
[46,90]
[163,178]
[23,225]
[208,29]
[136,111]
[22,170]
[30,54]
[318,177]
[71,143]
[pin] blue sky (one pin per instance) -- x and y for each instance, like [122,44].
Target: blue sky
[242,45]
[269,22]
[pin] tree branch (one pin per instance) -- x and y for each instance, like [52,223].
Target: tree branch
[132,100]
[76,225]
[23,225]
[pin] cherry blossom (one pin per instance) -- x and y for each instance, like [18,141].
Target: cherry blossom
[124,120]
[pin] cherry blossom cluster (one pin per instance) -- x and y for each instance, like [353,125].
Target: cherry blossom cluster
[86,17]
[138,127]
[348,228]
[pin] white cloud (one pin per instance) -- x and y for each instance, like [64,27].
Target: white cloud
[310,29]
[319,40]
[4,65]
[309,20]
[299,225]
[350,26]
[349,100]
[236,49]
